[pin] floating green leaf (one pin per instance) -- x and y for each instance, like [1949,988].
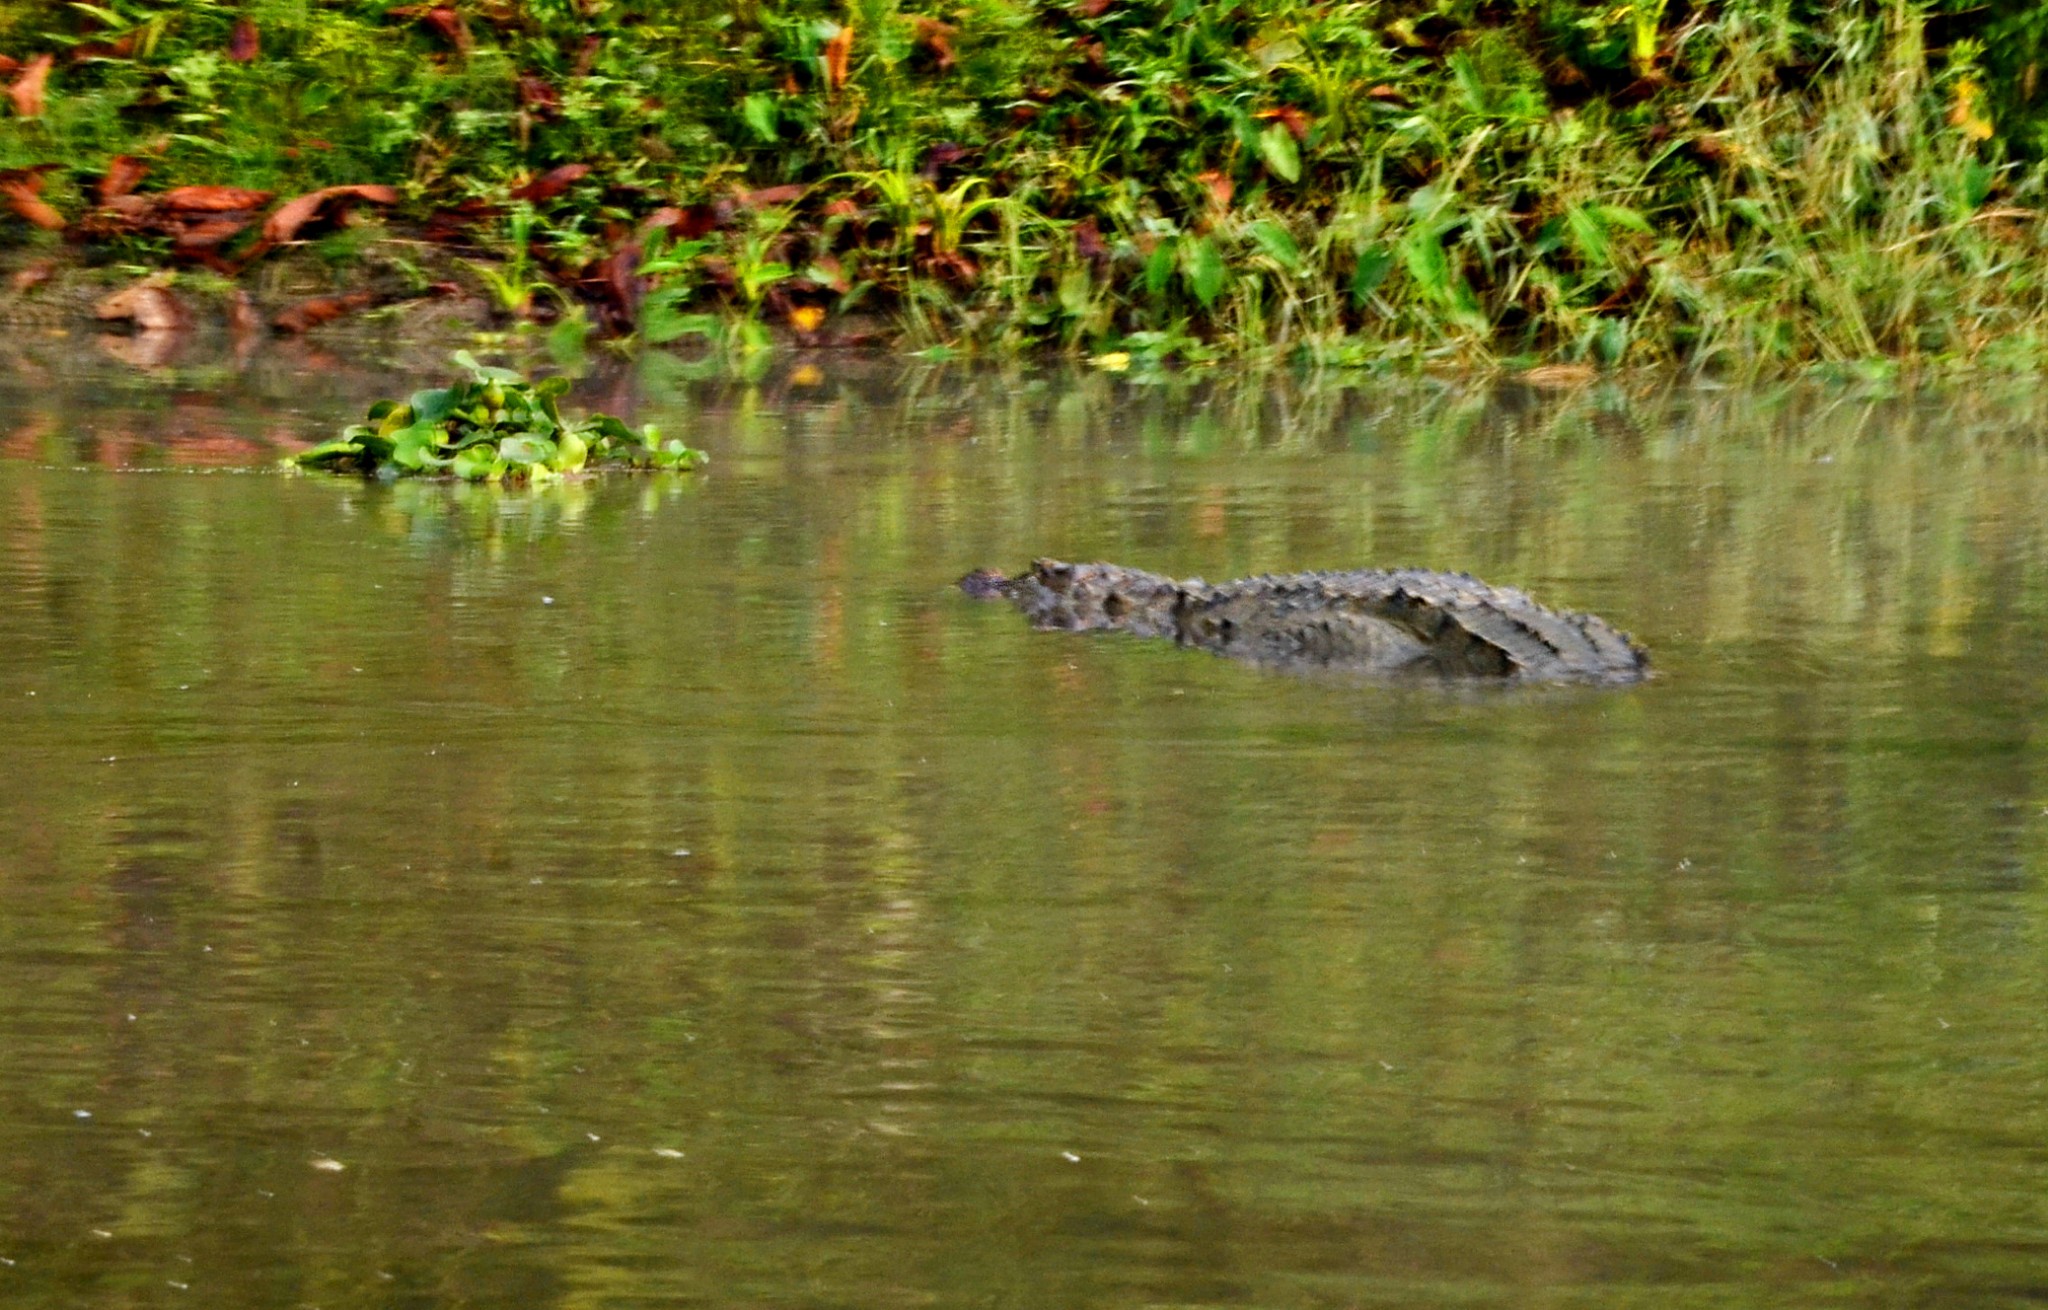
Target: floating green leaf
[496,425]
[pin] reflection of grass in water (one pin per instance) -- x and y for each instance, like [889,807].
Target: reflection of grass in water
[472,512]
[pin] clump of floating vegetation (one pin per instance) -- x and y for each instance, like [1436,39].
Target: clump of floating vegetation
[496,426]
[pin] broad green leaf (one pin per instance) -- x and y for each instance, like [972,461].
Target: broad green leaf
[413,448]
[1422,250]
[336,451]
[433,406]
[1589,236]
[517,451]
[1277,149]
[1277,242]
[1205,270]
[1373,265]
[1159,267]
[759,111]
[475,464]
[571,452]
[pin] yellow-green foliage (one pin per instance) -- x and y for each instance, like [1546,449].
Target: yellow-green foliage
[1742,185]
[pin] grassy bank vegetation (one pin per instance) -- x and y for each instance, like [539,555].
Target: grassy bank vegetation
[1746,185]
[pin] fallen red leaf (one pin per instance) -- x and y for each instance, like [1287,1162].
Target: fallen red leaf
[244,43]
[1093,8]
[311,313]
[213,199]
[1295,121]
[535,93]
[123,172]
[1088,243]
[207,234]
[771,195]
[447,24]
[835,55]
[22,188]
[937,38]
[1220,187]
[26,91]
[552,183]
[293,214]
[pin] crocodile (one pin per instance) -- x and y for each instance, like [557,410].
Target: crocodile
[1367,620]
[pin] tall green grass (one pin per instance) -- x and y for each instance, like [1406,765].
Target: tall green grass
[1747,186]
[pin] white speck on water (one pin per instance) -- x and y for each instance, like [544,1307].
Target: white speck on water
[668,1153]
[1070,1157]
[326,1165]
[81,1114]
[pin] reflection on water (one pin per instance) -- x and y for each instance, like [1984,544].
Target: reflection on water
[671,892]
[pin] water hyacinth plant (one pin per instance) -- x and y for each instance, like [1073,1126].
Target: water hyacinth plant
[497,426]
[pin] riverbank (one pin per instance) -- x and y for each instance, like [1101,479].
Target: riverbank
[1742,190]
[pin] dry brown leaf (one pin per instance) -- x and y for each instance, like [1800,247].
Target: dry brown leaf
[213,199]
[293,214]
[1220,187]
[123,172]
[206,234]
[766,196]
[552,183]
[22,187]
[27,90]
[244,43]
[835,56]
[936,37]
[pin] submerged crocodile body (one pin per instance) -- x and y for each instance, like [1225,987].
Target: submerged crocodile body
[1404,621]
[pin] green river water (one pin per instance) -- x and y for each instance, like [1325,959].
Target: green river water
[673,893]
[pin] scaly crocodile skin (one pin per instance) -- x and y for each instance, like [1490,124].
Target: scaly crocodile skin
[1406,620]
